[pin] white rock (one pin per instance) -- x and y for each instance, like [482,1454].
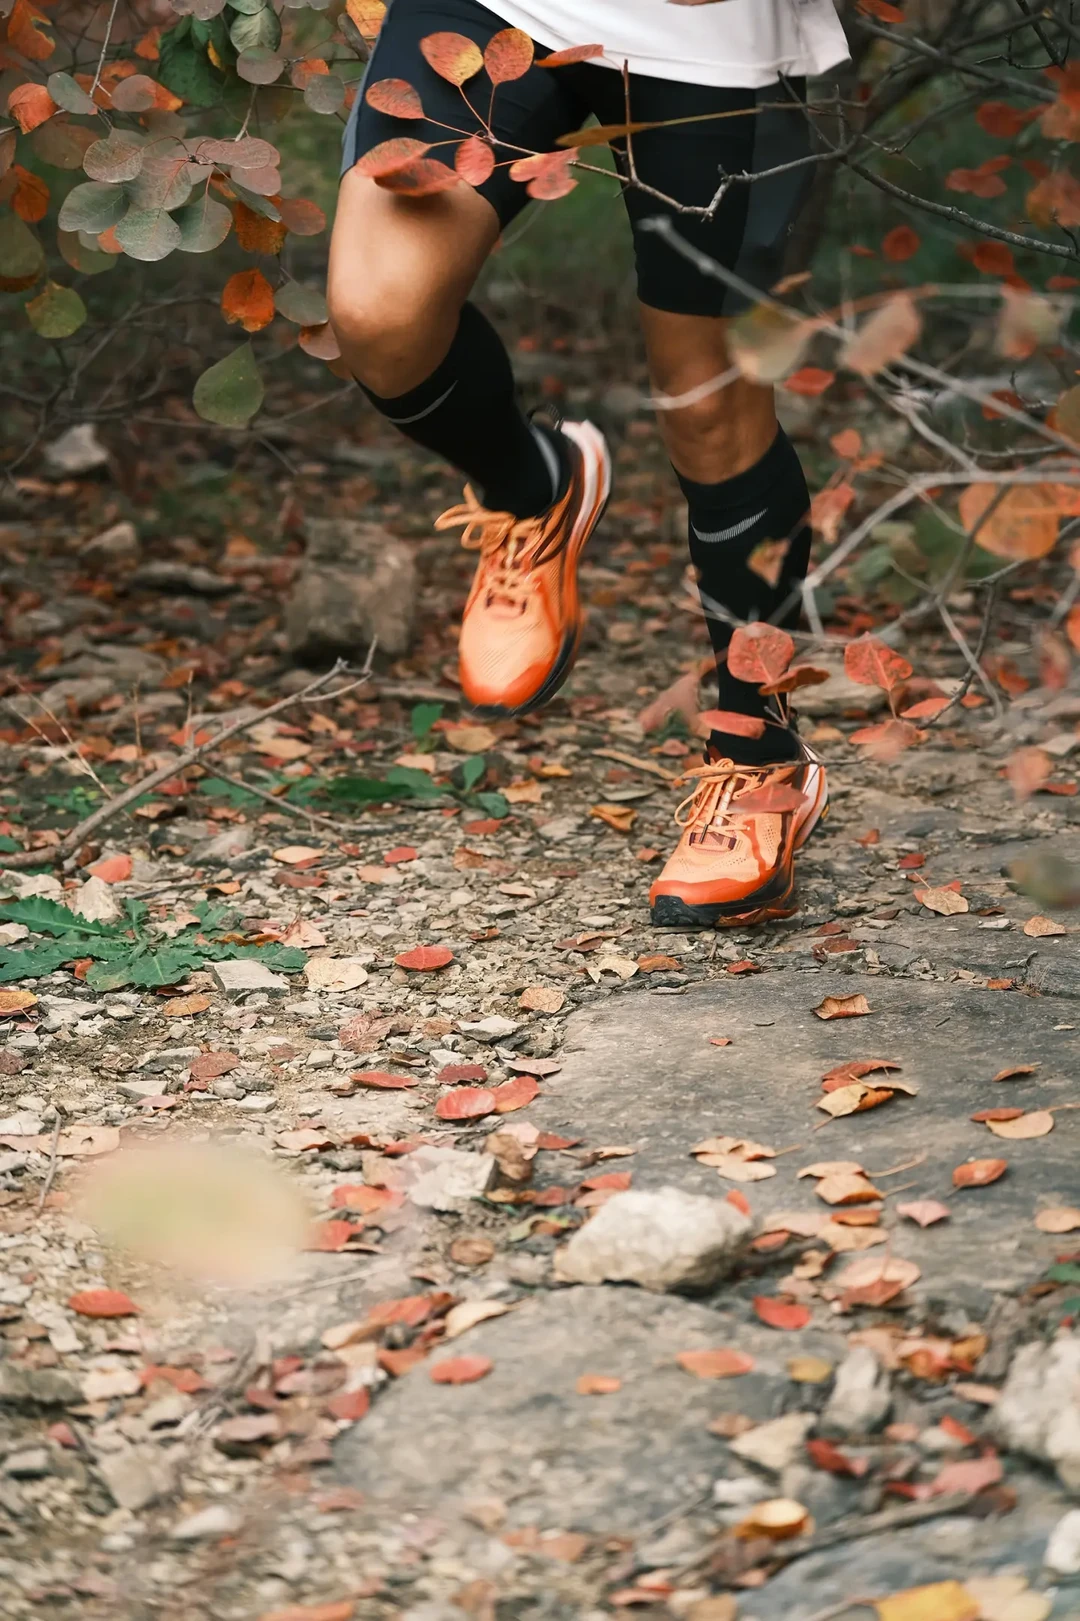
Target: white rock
[137,1476]
[445,1178]
[356,581]
[1039,1409]
[215,1521]
[666,1240]
[105,1384]
[257,1102]
[118,543]
[493,1028]
[1063,1550]
[78,450]
[11,932]
[23,1124]
[335,973]
[861,1398]
[559,828]
[738,1493]
[239,975]
[776,1445]
[95,901]
[319,1058]
[24,885]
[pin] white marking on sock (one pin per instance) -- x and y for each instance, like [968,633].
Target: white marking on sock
[729,534]
[403,422]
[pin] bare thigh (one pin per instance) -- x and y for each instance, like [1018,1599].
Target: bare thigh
[400,270]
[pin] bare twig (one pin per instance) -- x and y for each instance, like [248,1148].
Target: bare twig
[71,840]
[279,802]
[50,1174]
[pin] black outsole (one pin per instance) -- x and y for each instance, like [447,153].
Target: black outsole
[672,912]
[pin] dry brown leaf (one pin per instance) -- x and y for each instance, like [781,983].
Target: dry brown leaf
[1040,928]
[924,1211]
[182,1007]
[380,875]
[1039,1123]
[809,1370]
[291,855]
[15,1002]
[1014,1070]
[529,792]
[719,1364]
[941,1601]
[1058,1219]
[619,817]
[542,999]
[847,1189]
[833,1167]
[470,739]
[979,1173]
[467,1251]
[735,1169]
[842,1007]
[460,1318]
[778,1518]
[597,1384]
[743,1147]
[946,902]
[871,1270]
[853,1099]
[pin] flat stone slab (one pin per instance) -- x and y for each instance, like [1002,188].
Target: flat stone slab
[614,1463]
[640,1071]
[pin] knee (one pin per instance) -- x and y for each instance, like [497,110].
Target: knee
[710,440]
[384,341]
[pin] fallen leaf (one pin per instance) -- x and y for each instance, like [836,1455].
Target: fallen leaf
[331,1236]
[924,1211]
[824,1455]
[379,1080]
[1015,1069]
[968,1475]
[1040,928]
[597,1384]
[467,1103]
[842,1007]
[977,1173]
[112,870]
[780,1313]
[831,1167]
[334,973]
[853,1099]
[460,1318]
[1058,1219]
[982,1116]
[856,1070]
[847,1188]
[871,1281]
[460,1370]
[210,1066]
[619,817]
[292,855]
[658,963]
[515,1094]
[12,1002]
[379,875]
[1008,1598]
[946,902]
[777,1518]
[182,1007]
[719,1364]
[1036,1124]
[542,999]
[941,1601]
[103,1303]
[472,1251]
[470,739]
[303,1140]
[423,959]
[342,1611]
[809,1370]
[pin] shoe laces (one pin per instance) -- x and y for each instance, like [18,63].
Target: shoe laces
[712,807]
[509,546]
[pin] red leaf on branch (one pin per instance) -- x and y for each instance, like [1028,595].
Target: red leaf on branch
[395,97]
[474,160]
[30,105]
[248,298]
[809,381]
[728,720]
[873,663]
[453,56]
[423,178]
[390,156]
[760,653]
[572,54]
[508,55]
[900,244]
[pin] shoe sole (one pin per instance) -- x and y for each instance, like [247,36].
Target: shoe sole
[672,912]
[589,440]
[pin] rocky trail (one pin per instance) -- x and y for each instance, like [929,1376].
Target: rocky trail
[392,1223]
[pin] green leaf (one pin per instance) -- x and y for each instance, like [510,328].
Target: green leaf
[93,206]
[261,27]
[495,805]
[1066,1272]
[283,959]
[69,95]
[472,770]
[9,845]
[237,797]
[423,718]
[416,783]
[259,65]
[185,68]
[231,391]
[31,964]
[204,225]
[88,261]
[158,968]
[44,916]
[148,234]
[108,977]
[56,312]
[21,255]
[117,157]
[305,306]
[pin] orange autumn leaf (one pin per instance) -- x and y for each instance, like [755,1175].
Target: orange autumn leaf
[25,32]
[718,1364]
[1021,524]
[460,1370]
[31,196]
[424,959]
[30,105]
[255,233]
[900,244]
[111,870]
[248,298]
[103,1303]
[979,1173]
[785,1314]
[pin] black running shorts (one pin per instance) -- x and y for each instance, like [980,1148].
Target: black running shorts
[747,233]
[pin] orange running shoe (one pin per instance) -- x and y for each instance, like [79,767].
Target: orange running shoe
[741,828]
[523,620]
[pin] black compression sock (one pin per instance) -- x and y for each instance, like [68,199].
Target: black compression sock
[468,412]
[769,502]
